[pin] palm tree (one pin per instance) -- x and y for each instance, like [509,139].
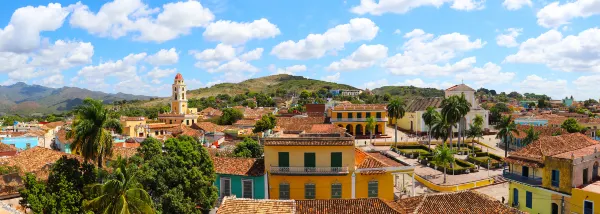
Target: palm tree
[90,131]
[453,110]
[395,110]
[439,128]
[119,195]
[531,136]
[507,129]
[474,131]
[428,117]
[443,155]
[371,122]
[478,120]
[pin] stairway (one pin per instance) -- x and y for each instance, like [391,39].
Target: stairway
[498,179]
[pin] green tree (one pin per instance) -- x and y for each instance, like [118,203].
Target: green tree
[443,156]
[180,178]
[571,125]
[531,136]
[396,110]
[428,117]
[265,123]
[454,108]
[90,131]
[230,116]
[370,126]
[440,128]
[122,194]
[248,148]
[304,94]
[542,103]
[507,129]
[531,105]
[474,132]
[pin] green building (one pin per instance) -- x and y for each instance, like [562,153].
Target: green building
[242,177]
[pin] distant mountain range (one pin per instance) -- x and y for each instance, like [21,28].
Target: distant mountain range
[21,98]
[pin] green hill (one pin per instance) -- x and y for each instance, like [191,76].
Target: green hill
[409,91]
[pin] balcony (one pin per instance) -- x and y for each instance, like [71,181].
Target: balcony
[532,181]
[384,119]
[299,170]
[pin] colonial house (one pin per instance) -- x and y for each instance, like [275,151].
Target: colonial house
[353,117]
[241,177]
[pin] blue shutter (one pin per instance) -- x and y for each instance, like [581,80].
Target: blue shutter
[528,199]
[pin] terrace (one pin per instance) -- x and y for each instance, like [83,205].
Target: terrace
[299,170]
[533,181]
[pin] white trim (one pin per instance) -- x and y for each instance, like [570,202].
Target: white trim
[221,186]
[265,178]
[353,185]
[593,208]
[251,187]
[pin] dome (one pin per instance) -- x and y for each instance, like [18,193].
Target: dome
[178,77]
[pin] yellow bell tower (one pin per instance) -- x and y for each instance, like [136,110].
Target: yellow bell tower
[179,102]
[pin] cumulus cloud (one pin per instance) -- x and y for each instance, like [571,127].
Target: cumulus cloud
[579,52]
[120,18]
[402,6]
[123,69]
[516,4]
[157,73]
[164,57]
[417,82]
[332,78]
[316,45]
[365,56]
[489,74]
[22,34]
[252,55]
[212,57]
[555,14]
[291,70]
[509,38]
[537,84]
[428,55]
[235,33]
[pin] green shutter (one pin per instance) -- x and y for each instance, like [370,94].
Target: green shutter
[336,190]
[336,159]
[309,160]
[373,188]
[284,159]
[309,191]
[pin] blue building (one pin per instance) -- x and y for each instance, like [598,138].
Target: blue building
[531,122]
[336,92]
[242,177]
[568,102]
[21,142]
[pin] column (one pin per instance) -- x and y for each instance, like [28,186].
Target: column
[353,185]
[266,186]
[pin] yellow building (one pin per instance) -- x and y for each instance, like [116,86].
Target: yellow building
[325,166]
[133,126]
[353,117]
[180,113]
[543,174]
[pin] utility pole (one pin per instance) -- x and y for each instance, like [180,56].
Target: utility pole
[562,206]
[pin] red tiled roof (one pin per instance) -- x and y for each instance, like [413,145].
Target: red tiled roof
[7,148]
[298,123]
[178,77]
[322,141]
[35,159]
[245,122]
[326,129]
[460,87]
[127,145]
[553,145]
[545,131]
[233,205]
[239,166]
[585,151]
[162,126]
[353,107]
[124,152]
[370,160]
[463,202]
[209,127]
[62,136]
[185,130]
[210,111]
[335,206]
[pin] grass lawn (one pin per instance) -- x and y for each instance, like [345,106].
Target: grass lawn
[421,151]
[484,159]
[456,166]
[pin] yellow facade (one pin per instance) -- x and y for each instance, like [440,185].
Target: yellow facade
[541,199]
[355,120]
[580,196]
[322,185]
[129,127]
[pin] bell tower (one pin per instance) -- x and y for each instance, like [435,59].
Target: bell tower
[179,102]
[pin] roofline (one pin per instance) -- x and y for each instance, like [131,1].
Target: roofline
[387,169]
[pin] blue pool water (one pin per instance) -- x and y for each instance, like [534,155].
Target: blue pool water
[21,142]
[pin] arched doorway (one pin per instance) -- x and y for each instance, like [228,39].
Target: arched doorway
[349,129]
[515,196]
[554,208]
[359,130]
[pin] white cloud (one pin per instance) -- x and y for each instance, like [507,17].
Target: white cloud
[252,55]
[555,14]
[587,86]
[291,70]
[537,84]
[316,45]
[164,57]
[375,84]
[426,55]
[123,17]
[403,6]
[22,34]
[332,78]
[210,58]
[571,53]
[56,80]
[234,66]
[365,56]
[123,69]
[516,4]
[235,33]
[509,39]
[397,31]
[489,74]
[157,73]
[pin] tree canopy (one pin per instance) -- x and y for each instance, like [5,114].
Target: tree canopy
[265,123]
[248,148]
[230,116]
[571,125]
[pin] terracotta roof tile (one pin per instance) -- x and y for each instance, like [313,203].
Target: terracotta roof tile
[239,166]
[185,130]
[127,145]
[545,131]
[7,148]
[350,206]
[210,111]
[245,122]
[421,104]
[370,160]
[298,123]
[62,136]
[124,152]
[585,151]
[162,126]
[352,107]
[460,87]
[326,129]
[53,125]
[232,205]
[321,141]
[209,127]
[463,202]
[553,145]
[35,159]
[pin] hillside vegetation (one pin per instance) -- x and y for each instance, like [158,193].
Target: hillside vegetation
[409,91]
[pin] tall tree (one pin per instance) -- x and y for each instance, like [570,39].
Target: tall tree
[444,156]
[507,129]
[265,123]
[440,128]
[454,108]
[122,194]
[371,122]
[396,110]
[428,117]
[230,116]
[531,136]
[474,131]
[91,131]
[571,125]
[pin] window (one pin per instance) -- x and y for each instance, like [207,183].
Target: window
[378,115]
[585,176]
[588,207]
[187,122]
[225,187]
[525,171]
[515,197]
[28,145]
[284,159]
[358,115]
[336,190]
[156,133]
[309,191]
[336,159]
[350,115]
[528,199]
[368,114]
[339,115]
[555,177]
[247,188]
[373,189]
[309,161]
[284,191]
[170,121]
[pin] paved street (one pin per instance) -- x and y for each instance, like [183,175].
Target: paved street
[496,191]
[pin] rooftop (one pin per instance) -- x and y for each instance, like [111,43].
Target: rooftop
[309,141]
[372,160]
[245,122]
[550,146]
[421,104]
[593,187]
[124,152]
[162,126]
[233,205]
[460,87]
[333,206]
[298,123]
[208,127]
[125,118]
[545,131]
[7,148]
[325,129]
[239,166]
[463,202]
[210,111]
[354,107]
[35,159]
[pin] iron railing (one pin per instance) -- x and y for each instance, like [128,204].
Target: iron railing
[299,170]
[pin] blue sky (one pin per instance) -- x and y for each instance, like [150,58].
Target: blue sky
[137,46]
